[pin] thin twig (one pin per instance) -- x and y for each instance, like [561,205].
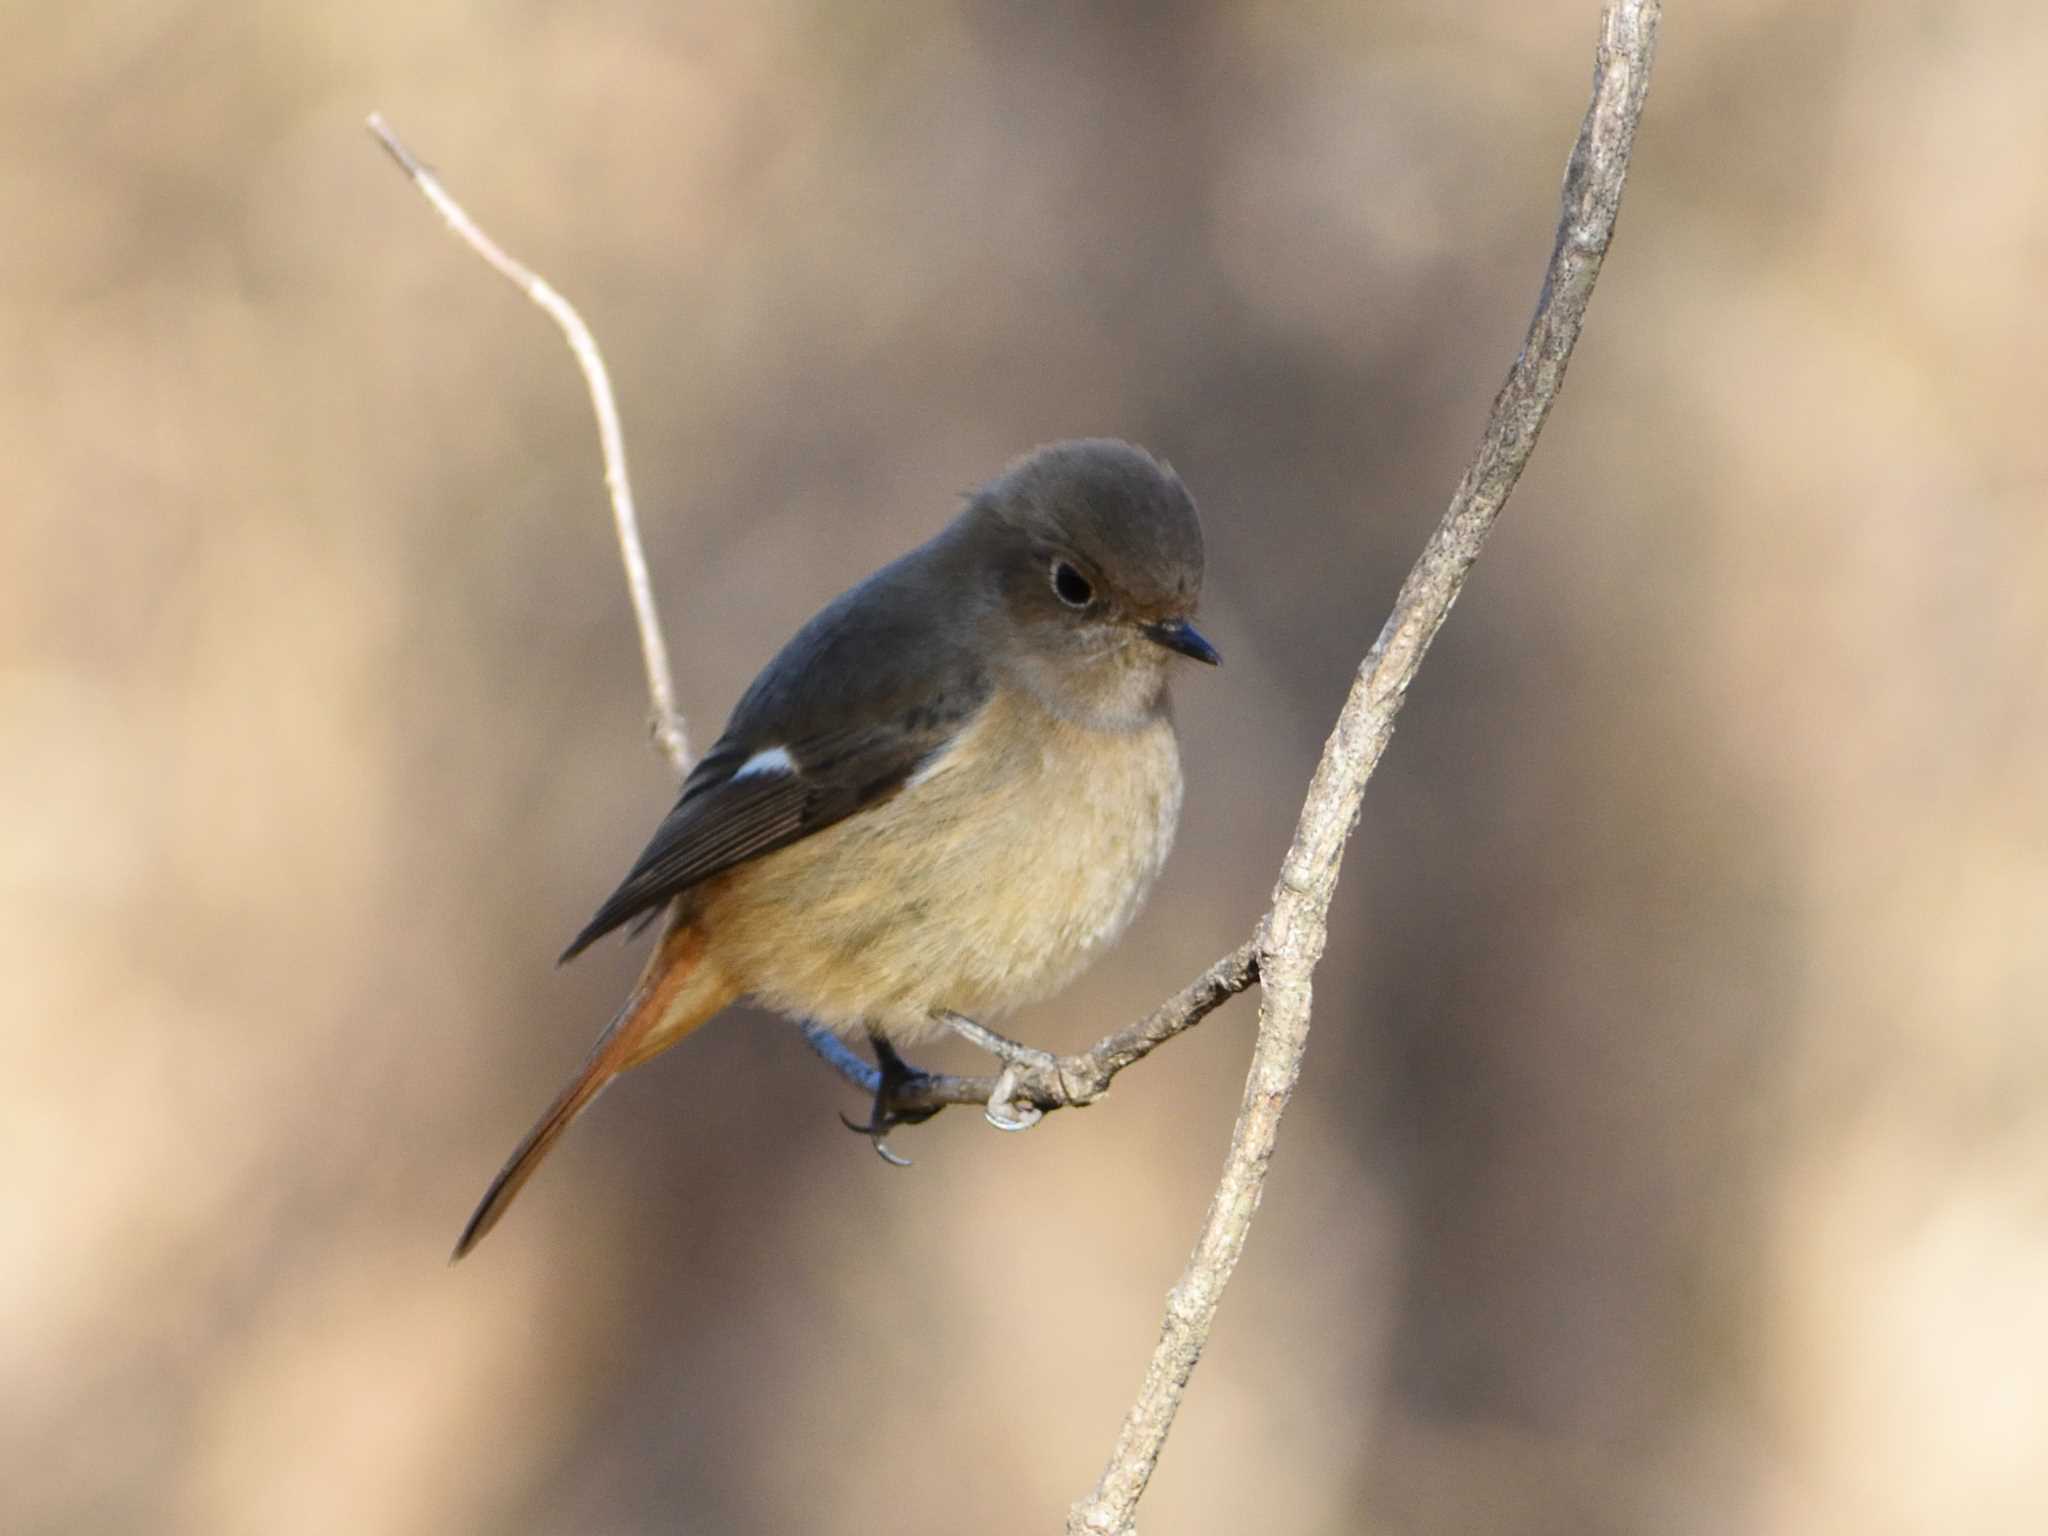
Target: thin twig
[665,723]
[1296,929]
[1056,1082]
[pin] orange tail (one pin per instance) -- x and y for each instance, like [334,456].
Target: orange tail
[676,993]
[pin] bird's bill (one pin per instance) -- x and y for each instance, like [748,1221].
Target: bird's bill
[1179,635]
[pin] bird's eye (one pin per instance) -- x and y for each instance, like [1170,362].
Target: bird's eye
[1070,585]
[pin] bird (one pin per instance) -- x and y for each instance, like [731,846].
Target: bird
[946,795]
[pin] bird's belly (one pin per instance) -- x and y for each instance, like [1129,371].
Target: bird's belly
[992,879]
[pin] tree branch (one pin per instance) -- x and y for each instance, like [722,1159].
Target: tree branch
[1040,1081]
[1292,937]
[664,721]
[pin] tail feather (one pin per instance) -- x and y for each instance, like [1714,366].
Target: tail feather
[675,994]
[604,1065]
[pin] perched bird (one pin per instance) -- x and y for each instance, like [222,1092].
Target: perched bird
[949,792]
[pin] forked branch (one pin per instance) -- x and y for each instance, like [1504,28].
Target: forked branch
[1039,1081]
[1292,936]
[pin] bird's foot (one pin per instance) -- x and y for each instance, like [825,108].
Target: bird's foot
[893,1075]
[1006,1110]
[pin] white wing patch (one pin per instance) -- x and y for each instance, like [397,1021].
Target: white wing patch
[934,761]
[767,760]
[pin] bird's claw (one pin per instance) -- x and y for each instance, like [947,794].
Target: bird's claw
[877,1133]
[1005,1111]
[893,1074]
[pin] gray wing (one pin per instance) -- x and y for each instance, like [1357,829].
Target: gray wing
[867,691]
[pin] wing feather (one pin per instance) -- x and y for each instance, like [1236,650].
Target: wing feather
[861,697]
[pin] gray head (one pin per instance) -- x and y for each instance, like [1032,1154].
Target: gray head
[1091,552]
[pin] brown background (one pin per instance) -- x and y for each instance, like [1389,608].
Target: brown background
[1672,1155]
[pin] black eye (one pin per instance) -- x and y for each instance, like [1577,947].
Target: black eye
[1071,585]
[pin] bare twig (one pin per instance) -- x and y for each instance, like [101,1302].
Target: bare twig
[1295,930]
[1058,1082]
[665,722]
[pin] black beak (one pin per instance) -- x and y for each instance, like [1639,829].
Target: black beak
[1180,635]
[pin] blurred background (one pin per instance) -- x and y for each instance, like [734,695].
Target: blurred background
[1673,1151]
